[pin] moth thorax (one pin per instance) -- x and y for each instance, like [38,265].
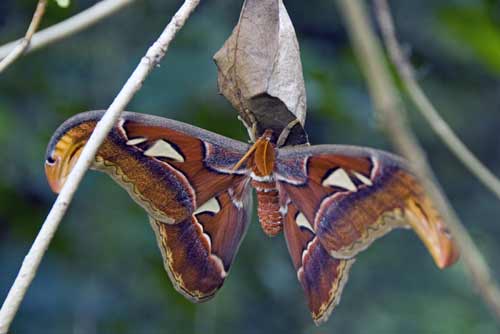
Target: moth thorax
[268,207]
[263,158]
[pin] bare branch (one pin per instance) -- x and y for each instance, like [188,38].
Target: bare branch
[32,260]
[25,42]
[70,26]
[425,106]
[391,113]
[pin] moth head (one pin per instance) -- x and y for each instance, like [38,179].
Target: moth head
[267,135]
[64,150]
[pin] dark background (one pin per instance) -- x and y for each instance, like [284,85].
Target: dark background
[103,271]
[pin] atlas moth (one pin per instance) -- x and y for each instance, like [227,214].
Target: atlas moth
[331,201]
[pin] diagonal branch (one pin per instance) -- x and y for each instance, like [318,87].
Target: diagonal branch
[391,113]
[32,260]
[69,26]
[25,42]
[425,106]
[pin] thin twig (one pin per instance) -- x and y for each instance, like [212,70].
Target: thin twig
[32,260]
[425,106]
[392,115]
[69,26]
[25,42]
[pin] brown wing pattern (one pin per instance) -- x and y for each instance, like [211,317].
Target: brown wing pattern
[206,165]
[352,196]
[183,177]
[322,277]
[164,165]
[199,251]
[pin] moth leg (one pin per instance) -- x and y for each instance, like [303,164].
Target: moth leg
[286,131]
[252,127]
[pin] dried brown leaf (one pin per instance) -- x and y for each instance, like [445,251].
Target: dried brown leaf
[260,71]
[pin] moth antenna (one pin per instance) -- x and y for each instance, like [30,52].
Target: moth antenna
[246,156]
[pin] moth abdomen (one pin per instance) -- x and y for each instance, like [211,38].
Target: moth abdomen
[268,209]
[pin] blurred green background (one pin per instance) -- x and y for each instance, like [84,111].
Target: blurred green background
[103,272]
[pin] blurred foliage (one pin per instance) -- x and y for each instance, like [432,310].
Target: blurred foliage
[103,272]
[477,30]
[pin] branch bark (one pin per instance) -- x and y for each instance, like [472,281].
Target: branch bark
[32,260]
[424,105]
[69,26]
[391,113]
[25,42]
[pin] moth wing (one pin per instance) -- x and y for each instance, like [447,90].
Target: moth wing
[183,177]
[353,196]
[198,252]
[168,167]
[321,276]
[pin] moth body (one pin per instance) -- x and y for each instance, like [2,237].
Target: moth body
[261,162]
